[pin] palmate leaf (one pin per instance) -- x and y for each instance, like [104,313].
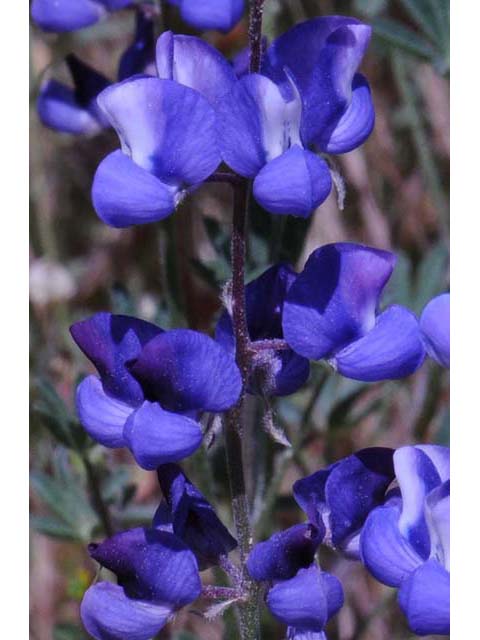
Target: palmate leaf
[52,413]
[398,35]
[54,528]
[64,493]
[68,631]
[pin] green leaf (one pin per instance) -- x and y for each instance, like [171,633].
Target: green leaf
[421,13]
[68,631]
[396,34]
[399,288]
[369,8]
[431,278]
[54,528]
[52,413]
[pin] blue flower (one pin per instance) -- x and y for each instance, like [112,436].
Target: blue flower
[332,311]
[435,326]
[307,96]
[152,387]
[69,15]
[285,553]
[75,110]
[188,515]
[274,372]
[157,575]
[406,542]
[194,63]
[221,15]
[306,602]
[340,497]
[167,131]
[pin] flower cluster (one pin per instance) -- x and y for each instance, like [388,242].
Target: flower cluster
[153,385]
[157,568]
[180,109]
[389,509]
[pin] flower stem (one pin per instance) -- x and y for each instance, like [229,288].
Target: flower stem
[255,34]
[98,503]
[233,427]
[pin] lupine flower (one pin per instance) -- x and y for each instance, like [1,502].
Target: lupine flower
[331,311]
[194,63]
[435,326]
[188,515]
[69,15]
[221,15]
[157,575]
[152,386]
[169,146]
[75,110]
[307,96]
[274,372]
[306,602]
[406,542]
[340,497]
[285,553]
[300,594]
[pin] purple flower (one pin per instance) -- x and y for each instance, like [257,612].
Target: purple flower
[191,517]
[157,575]
[69,15]
[221,15]
[285,553]
[169,146]
[75,110]
[274,371]
[435,326]
[308,96]
[194,63]
[340,497]
[306,602]
[332,311]
[152,386]
[406,542]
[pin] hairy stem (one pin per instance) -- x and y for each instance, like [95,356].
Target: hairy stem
[255,34]
[233,427]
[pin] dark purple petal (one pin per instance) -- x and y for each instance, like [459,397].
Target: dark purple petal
[385,552]
[155,436]
[355,486]
[309,493]
[109,614]
[195,64]
[256,124]
[417,476]
[294,183]
[124,194]
[424,598]
[334,300]
[66,15]
[283,554]
[139,57]
[151,565]
[163,518]
[193,518]
[304,601]
[222,15]
[322,56]
[279,372]
[166,128]
[110,341]
[102,416]
[435,325]
[88,84]
[188,371]
[392,349]
[357,122]
[58,109]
